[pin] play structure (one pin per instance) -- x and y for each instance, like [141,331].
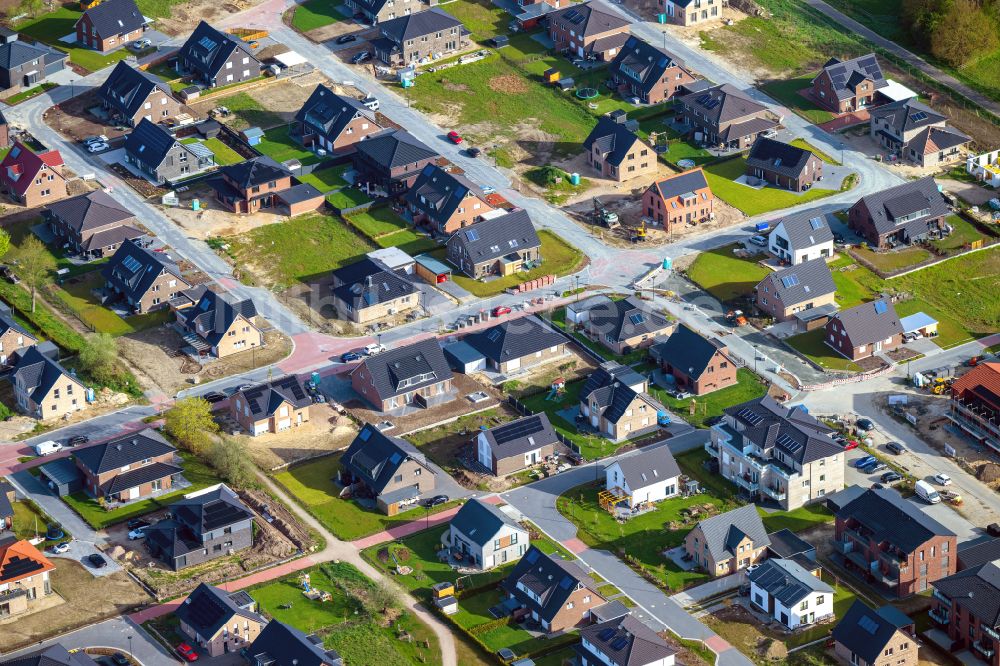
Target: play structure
[587,93]
[556,388]
[609,499]
[312,593]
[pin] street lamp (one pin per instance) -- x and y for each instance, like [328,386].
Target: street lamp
[755,359]
[577,288]
[130,655]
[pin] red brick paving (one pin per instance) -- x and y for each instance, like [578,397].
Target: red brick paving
[717,644]
[846,120]
[405,530]
[575,546]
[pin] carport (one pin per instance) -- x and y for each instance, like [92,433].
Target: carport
[813,318]
[61,476]
[919,322]
[432,270]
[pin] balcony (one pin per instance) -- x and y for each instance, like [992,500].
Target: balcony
[943,599]
[985,649]
[744,481]
[775,493]
[846,546]
[940,615]
[856,535]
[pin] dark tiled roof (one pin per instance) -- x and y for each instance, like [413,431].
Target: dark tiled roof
[395,148]
[111,18]
[744,128]
[867,323]
[933,139]
[210,509]
[439,193]
[790,430]
[38,373]
[53,655]
[845,75]
[806,229]
[612,138]
[518,437]
[588,18]
[149,143]
[778,157]
[417,25]
[977,590]
[786,581]
[642,62]
[133,269]
[89,211]
[551,578]
[906,115]
[801,282]
[624,319]
[136,477]
[647,467]
[892,519]
[724,532]
[608,374]
[14,54]
[496,237]
[514,338]
[330,113]
[864,631]
[626,641]
[127,88]
[602,44]
[170,539]
[208,609]
[914,196]
[972,554]
[687,183]
[280,644]
[8,323]
[265,399]
[374,457]
[406,369]
[208,49]
[370,282]
[479,521]
[113,236]
[121,451]
[214,313]
[785,543]
[687,351]
[722,103]
[256,171]
[617,398]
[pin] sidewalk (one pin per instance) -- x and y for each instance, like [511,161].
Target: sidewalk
[414,526]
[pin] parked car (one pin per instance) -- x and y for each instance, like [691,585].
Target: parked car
[501,310]
[751,568]
[47,448]
[76,440]
[98,147]
[138,533]
[135,523]
[435,501]
[375,348]
[371,102]
[865,425]
[8,274]
[60,548]
[95,139]
[942,479]
[347,39]
[454,137]
[877,466]
[139,45]
[97,560]
[360,57]
[187,652]
[757,239]
[848,444]
[867,460]
[473,152]
[890,477]
[895,447]
[348,357]
[214,396]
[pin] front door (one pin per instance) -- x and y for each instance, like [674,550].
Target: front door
[133,493]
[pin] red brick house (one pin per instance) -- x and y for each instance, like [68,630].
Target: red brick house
[261,183]
[644,71]
[445,202]
[129,467]
[32,179]
[554,592]
[966,605]
[699,365]
[684,198]
[975,404]
[848,85]
[865,330]
[900,215]
[110,25]
[587,31]
[334,122]
[784,165]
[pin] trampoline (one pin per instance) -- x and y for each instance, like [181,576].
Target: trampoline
[587,93]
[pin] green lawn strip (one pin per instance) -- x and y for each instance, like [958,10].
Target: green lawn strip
[802,143]
[409,242]
[312,485]
[950,332]
[224,155]
[726,276]
[77,294]
[482,20]
[679,149]
[692,463]
[278,144]
[591,447]
[327,179]
[347,197]
[377,221]
[813,346]
[558,258]
[314,14]
[786,91]
[248,112]
[851,284]
[369,642]
[964,233]
[721,178]
[748,387]
[796,520]
[196,472]
[29,93]
[894,260]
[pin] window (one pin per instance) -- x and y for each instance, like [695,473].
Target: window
[819,599]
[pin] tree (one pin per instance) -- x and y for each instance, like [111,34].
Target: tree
[4,243]
[34,264]
[230,458]
[190,422]
[381,599]
[964,33]
[99,357]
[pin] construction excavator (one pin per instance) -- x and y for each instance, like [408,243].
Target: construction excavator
[637,234]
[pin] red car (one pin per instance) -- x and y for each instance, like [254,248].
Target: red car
[454,137]
[849,444]
[187,652]
[501,310]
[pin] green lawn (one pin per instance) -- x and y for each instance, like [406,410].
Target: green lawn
[378,221]
[305,614]
[314,14]
[679,149]
[50,27]
[303,247]
[964,234]
[786,91]
[796,520]
[721,177]
[327,179]
[248,112]
[483,20]
[558,258]
[347,197]
[559,320]
[592,447]
[79,298]
[278,145]
[224,155]
[802,143]
[894,260]
[409,242]
[853,286]
[813,346]
[312,485]
[29,93]
[726,276]
[748,387]
[196,472]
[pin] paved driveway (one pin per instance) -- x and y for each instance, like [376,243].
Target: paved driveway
[115,634]
[88,539]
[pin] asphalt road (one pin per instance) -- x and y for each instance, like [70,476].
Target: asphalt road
[113,633]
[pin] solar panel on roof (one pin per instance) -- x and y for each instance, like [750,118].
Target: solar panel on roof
[220,513]
[365,434]
[750,416]
[619,644]
[816,223]
[868,624]
[880,307]
[131,263]
[531,557]
[637,318]
[206,613]
[472,235]
[566,583]
[605,634]
[494,334]
[395,458]
[206,43]
[20,566]
[917,117]
[517,429]
[790,280]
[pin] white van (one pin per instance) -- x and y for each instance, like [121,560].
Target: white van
[926,492]
[47,448]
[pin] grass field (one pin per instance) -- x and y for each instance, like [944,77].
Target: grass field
[726,276]
[50,27]
[327,179]
[813,346]
[748,387]
[376,222]
[224,155]
[79,298]
[786,91]
[802,143]
[964,233]
[312,485]
[314,14]
[278,145]
[347,197]
[249,112]
[721,178]
[409,242]
[896,260]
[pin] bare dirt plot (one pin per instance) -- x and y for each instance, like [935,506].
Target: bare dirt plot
[569,367]
[212,219]
[326,431]
[87,599]
[283,98]
[73,120]
[184,17]
[153,353]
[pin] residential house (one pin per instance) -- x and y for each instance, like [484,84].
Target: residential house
[32,179]
[13,336]
[725,117]
[892,544]
[53,655]
[512,447]
[92,225]
[517,344]
[156,154]
[616,152]
[789,594]
[416,375]
[390,162]
[485,536]
[129,467]
[618,411]
[588,30]
[280,644]
[610,372]
[385,468]
[975,404]
[249,186]
[692,12]
[623,641]
[784,165]
[110,25]
[849,85]
[900,215]
[800,237]
[23,65]
[376,11]
[917,133]
[966,606]
[7,499]
[553,592]
[865,330]
[578,312]
[271,407]
[203,525]
[797,289]
[218,621]
[698,365]
[334,122]
[24,575]
[42,387]
[215,58]
[130,94]
[420,37]
[368,291]
[221,324]
[978,551]
[875,637]
[649,476]
[648,73]
[728,542]
[625,325]
[684,198]
[777,453]
[144,280]
[501,245]
[445,202]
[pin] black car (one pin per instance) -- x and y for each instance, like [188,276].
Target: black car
[895,447]
[118,659]
[76,440]
[348,357]
[865,425]
[474,152]
[360,57]
[435,501]
[347,39]
[214,396]
[136,523]
[97,560]
[890,477]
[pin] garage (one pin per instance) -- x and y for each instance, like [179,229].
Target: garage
[462,357]
[284,424]
[61,476]
[918,324]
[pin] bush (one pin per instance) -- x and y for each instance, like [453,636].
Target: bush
[231,460]
[190,422]
[5,412]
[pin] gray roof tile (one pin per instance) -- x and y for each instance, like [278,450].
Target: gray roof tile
[787,581]
[892,519]
[479,522]
[626,641]
[868,323]
[417,365]
[647,467]
[496,237]
[514,338]
[724,531]
[802,282]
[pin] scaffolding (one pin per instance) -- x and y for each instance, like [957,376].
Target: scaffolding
[609,499]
